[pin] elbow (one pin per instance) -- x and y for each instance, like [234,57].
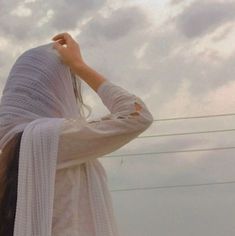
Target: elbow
[148,119]
[146,122]
[147,116]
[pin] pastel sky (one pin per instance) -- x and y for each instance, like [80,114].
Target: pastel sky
[179,57]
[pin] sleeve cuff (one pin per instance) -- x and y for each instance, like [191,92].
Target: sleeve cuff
[101,89]
[105,93]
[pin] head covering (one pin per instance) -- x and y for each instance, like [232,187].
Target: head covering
[38,85]
[38,96]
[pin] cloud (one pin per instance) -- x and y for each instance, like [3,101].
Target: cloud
[174,70]
[18,26]
[203,17]
[119,23]
[175,2]
[28,20]
[68,13]
[114,48]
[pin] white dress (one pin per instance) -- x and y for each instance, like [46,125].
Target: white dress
[80,142]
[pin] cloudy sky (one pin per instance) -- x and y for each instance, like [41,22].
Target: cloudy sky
[179,57]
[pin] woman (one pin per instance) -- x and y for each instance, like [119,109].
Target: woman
[48,132]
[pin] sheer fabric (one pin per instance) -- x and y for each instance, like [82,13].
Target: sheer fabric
[39,100]
[81,143]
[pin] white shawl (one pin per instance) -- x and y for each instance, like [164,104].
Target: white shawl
[37,97]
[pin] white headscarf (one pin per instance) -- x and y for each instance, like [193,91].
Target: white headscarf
[38,85]
[37,97]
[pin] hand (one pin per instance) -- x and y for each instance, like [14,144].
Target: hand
[71,54]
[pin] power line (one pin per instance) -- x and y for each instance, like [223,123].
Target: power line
[198,132]
[165,152]
[195,117]
[178,151]
[173,186]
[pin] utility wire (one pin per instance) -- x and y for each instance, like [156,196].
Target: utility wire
[195,117]
[173,186]
[178,151]
[197,132]
[165,152]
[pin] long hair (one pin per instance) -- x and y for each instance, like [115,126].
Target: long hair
[77,84]
[8,182]
[9,162]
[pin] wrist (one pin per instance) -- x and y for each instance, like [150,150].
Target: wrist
[78,67]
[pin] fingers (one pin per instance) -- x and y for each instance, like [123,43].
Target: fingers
[61,41]
[57,46]
[64,36]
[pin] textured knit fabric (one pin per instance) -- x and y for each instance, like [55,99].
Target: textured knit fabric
[38,96]
[39,100]
[36,177]
[80,144]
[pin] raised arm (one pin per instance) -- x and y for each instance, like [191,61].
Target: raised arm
[81,141]
[71,55]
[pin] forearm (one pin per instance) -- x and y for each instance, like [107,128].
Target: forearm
[89,75]
[84,141]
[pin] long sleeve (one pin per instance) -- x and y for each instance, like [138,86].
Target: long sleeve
[81,141]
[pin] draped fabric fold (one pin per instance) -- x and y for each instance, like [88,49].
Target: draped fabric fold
[36,176]
[38,96]
[101,201]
